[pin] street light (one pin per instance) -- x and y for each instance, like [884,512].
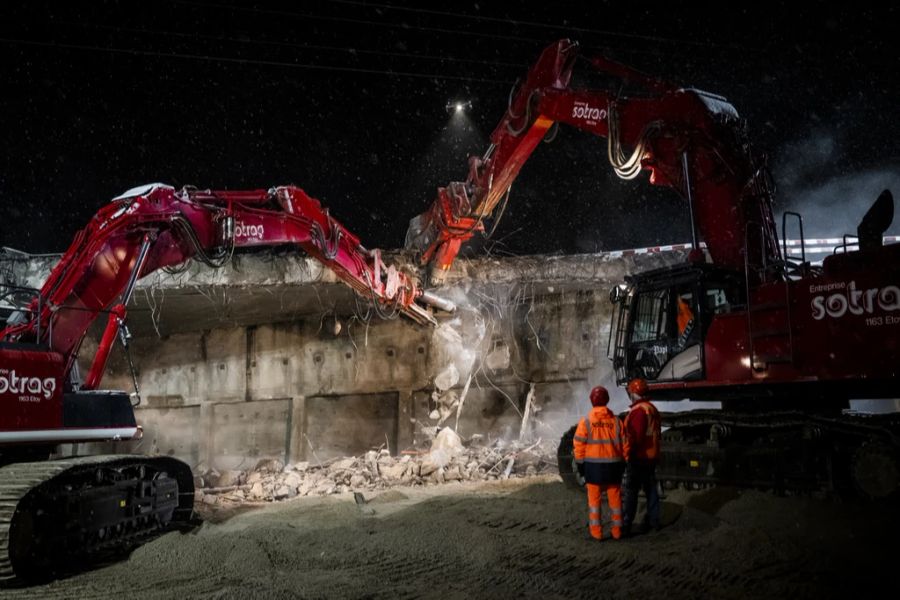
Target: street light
[459,106]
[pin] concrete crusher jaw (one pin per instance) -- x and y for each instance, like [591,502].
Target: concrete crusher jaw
[57,516]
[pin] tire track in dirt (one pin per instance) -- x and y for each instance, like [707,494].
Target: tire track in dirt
[524,540]
[566,573]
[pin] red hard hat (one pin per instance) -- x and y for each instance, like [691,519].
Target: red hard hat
[638,387]
[599,396]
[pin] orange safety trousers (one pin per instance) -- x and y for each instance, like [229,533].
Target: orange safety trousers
[614,498]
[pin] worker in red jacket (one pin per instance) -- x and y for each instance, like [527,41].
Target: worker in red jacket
[599,455]
[643,430]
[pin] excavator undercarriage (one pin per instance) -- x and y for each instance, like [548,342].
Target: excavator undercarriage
[784,452]
[57,516]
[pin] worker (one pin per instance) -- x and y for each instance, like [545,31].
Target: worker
[685,321]
[643,430]
[599,449]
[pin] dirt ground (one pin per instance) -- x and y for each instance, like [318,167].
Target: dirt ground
[505,539]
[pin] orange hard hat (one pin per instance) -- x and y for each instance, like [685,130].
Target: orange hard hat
[638,387]
[599,396]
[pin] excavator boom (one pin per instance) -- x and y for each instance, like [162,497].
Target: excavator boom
[689,140]
[156,226]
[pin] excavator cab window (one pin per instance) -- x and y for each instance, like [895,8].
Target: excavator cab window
[666,333]
[721,298]
[650,316]
[662,322]
[716,301]
[648,348]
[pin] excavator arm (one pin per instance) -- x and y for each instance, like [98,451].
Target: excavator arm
[689,140]
[156,226]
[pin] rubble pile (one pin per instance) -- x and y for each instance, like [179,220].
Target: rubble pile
[448,459]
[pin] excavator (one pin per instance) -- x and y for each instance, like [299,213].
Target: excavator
[57,513]
[781,343]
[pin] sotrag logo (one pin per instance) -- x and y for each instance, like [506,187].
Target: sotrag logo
[846,298]
[12,383]
[243,230]
[583,110]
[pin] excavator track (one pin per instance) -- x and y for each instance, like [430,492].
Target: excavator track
[785,451]
[565,460]
[782,451]
[58,515]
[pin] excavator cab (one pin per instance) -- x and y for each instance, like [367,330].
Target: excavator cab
[660,319]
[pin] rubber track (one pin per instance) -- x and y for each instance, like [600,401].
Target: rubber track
[17,479]
[564,461]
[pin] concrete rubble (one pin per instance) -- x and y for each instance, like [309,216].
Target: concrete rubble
[448,459]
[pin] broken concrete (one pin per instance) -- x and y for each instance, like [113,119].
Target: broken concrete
[447,460]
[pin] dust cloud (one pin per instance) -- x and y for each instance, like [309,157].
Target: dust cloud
[815,179]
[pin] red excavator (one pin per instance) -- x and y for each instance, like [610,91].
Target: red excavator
[783,344]
[57,512]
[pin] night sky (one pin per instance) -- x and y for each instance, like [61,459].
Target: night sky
[348,100]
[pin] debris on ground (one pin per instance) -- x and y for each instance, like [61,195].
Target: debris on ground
[448,459]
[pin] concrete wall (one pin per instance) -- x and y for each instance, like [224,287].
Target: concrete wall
[229,397]
[269,359]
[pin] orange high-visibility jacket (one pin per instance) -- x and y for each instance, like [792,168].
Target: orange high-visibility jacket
[598,444]
[643,430]
[685,315]
[685,323]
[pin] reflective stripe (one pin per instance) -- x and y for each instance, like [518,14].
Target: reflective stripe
[616,512]
[617,459]
[618,435]
[579,460]
[601,442]
[581,439]
[587,423]
[616,522]
[594,509]
[594,522]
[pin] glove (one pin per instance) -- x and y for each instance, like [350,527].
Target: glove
[580,468]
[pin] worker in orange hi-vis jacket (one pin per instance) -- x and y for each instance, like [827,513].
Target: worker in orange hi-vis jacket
[685,319]
[599,455]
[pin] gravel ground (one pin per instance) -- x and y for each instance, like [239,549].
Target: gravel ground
[516,538]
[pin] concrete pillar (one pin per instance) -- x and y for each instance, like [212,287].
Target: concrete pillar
[406,412]
[206,432]
[297,429]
